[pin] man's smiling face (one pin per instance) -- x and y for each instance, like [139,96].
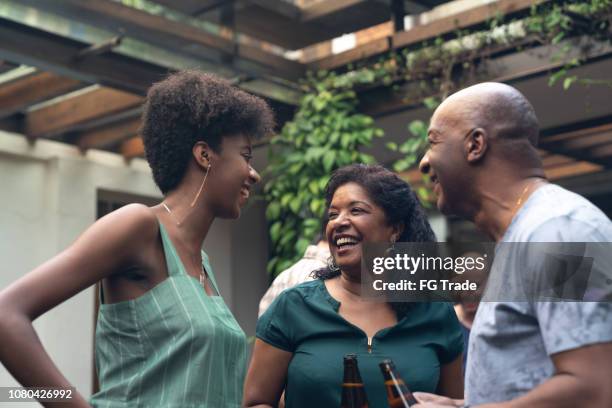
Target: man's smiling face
[445,162]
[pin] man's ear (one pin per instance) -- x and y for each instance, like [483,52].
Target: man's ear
[202,153]
[476,145]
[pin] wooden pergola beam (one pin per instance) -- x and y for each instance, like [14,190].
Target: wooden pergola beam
[109,135]
[38,43]
[19,94]
[170,34]
[462,20]
[582,144]
[571,169]
[444,26]
[62,116]
[56,53]
[553,173]
[322,9]
[132,148]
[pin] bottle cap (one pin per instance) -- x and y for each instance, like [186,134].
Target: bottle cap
[350,356]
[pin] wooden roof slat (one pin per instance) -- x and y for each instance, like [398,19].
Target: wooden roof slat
[602,151]
[171,34]
[52,52]
[461,20]
[579,133]
[572,169]
[60,117]
[576,144]
[19,94]
[589,141]
[323,9]
[266,25]
[132,148]
[108,135]
[284,8]
[56,53]
[370,49]
[554,160]
[446,25]
[6,66]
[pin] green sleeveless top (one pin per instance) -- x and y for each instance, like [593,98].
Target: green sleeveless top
[174,346]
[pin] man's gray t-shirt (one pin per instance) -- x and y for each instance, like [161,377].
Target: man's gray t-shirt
[511,342]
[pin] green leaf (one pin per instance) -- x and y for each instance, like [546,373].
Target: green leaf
[392,146]
[417,127]
[313,187]
[431,103]
[556,76]
[286,199]
[345,158]
[328,160]
[346,140]
[316,206]
[323,182]
[275,230]
[311,223]
[272,265]
[557,38]
[401,165]
[295,206]
[287,237]
[301,245]
[273,211]
[567,82]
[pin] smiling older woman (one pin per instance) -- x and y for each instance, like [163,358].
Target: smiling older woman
[304,334]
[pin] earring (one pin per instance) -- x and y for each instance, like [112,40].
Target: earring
[203,182]
[391,250]
[331,264]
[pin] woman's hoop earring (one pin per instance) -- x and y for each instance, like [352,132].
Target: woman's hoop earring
[331,264]
[201,186]
[390,251]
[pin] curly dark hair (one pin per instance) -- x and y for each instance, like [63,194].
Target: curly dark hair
[191,106]
[394,196]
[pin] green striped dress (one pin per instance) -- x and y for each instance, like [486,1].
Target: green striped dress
[174,346]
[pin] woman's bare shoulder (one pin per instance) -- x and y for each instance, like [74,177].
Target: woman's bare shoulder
[133,224]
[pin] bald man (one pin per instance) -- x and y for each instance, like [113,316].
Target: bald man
[484,166]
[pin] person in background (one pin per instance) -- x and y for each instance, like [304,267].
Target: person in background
[484,166]
[314,258]
[304,334]
[164,337]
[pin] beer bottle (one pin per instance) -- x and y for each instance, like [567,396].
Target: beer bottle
[398,394]
[353,391]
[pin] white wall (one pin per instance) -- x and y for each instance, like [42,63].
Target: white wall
[48,193]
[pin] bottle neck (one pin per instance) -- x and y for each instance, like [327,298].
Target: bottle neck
[351,372]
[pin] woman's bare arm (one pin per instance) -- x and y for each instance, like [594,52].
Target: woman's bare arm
[111,243]
[266,377]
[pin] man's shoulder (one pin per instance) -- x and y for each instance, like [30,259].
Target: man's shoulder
[556,214]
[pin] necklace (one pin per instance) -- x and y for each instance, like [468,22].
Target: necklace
[177,222]
[517,206]
[203,276]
